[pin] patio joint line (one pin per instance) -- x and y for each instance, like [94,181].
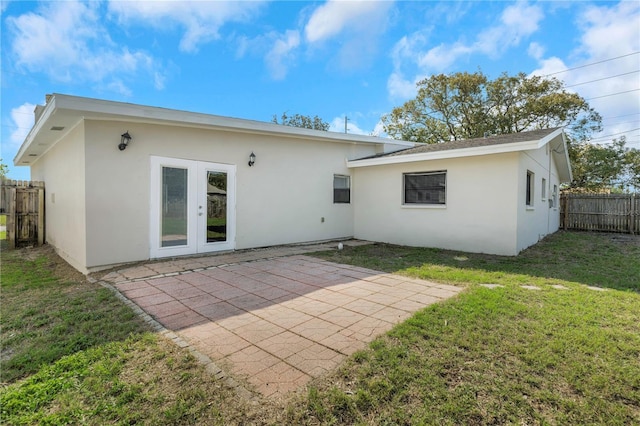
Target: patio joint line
[205,360]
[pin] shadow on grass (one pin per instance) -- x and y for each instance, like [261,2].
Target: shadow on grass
[594,259]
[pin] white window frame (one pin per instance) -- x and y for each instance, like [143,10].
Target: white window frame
[347,178]
[424,204]
[544,189]
[530,186]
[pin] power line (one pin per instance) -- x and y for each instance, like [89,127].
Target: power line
[624,122]
[614,134]
[604,78]
[620,116]
[612,94]
[592,63]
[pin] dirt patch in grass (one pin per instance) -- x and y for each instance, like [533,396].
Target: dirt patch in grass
[54,263]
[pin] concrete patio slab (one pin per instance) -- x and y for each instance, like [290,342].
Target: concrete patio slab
[276,319]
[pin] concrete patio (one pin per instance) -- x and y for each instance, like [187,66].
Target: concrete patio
[274,317]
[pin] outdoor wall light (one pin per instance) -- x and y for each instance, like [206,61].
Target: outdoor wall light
[252,159]
[125,138]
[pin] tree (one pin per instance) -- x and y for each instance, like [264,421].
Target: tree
[304,121]
[4,169]
[611,166]
[469,105]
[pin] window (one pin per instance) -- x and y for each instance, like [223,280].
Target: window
[530,181]
[341,189]
[544,189]
[555,196]
[425,188]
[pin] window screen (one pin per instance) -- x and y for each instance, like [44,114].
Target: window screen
[341,189]
[425,188]
[530,180]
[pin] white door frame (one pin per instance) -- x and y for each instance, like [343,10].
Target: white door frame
[196,205]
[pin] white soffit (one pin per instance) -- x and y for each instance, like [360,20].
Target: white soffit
[63,111]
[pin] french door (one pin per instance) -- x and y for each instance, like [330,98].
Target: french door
[192,207]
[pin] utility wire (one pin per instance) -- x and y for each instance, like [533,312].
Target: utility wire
[614,134]
[612,94]
[620,116]
[604,78]
[592,63]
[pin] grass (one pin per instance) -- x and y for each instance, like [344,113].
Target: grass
[506,355]
[72,353]
[499,356]
[3,222]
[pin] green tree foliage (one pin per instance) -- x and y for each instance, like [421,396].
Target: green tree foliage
[469,105]
[610,166]
[4,169]
[304,121]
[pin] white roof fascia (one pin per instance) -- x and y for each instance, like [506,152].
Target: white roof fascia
[96,109]
[446,154]
[37,127]
[457,153]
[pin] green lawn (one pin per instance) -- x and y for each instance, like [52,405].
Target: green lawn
[3,222]
[72,353]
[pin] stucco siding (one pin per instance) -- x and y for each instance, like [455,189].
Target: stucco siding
[63,171]
[538,220]
[282,199]
[479,216]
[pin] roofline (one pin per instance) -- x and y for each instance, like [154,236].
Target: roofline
[458,153]
[90,108]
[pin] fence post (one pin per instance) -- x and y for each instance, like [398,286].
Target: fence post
[563,209]
[632,214]
[11,217]
[40,213]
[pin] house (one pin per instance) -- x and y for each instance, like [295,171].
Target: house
[128,182]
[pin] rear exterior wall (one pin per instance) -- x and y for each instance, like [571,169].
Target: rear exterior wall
[479,215]
[286,197]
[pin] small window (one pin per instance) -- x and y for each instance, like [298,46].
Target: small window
[341,189]
[544,189]
[530,181]
[555,196]
[425,188]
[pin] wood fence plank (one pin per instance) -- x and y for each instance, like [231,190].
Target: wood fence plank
[23,204]
[601,212]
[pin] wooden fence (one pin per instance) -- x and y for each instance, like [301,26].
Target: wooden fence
[23,204]
[600,212]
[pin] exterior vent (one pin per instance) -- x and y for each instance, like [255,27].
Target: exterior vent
[57,128]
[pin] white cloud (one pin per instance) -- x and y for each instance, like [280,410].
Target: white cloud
[67,41]
[201,20]
[281,53]
[22,118]
[399,87]
[607,32]
[517,22]
[536,50]
[337,125]
[358,23]
[334,17]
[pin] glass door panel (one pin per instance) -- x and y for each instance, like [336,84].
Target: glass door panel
[192,207]
[216,229]
[174,219]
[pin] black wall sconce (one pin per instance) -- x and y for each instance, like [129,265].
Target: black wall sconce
[125,138]
[252,159]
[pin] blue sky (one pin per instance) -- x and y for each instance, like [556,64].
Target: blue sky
[332,59]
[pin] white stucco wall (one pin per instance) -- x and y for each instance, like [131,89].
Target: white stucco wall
[537,221]
[480,213]
[63,171]
[281,199]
